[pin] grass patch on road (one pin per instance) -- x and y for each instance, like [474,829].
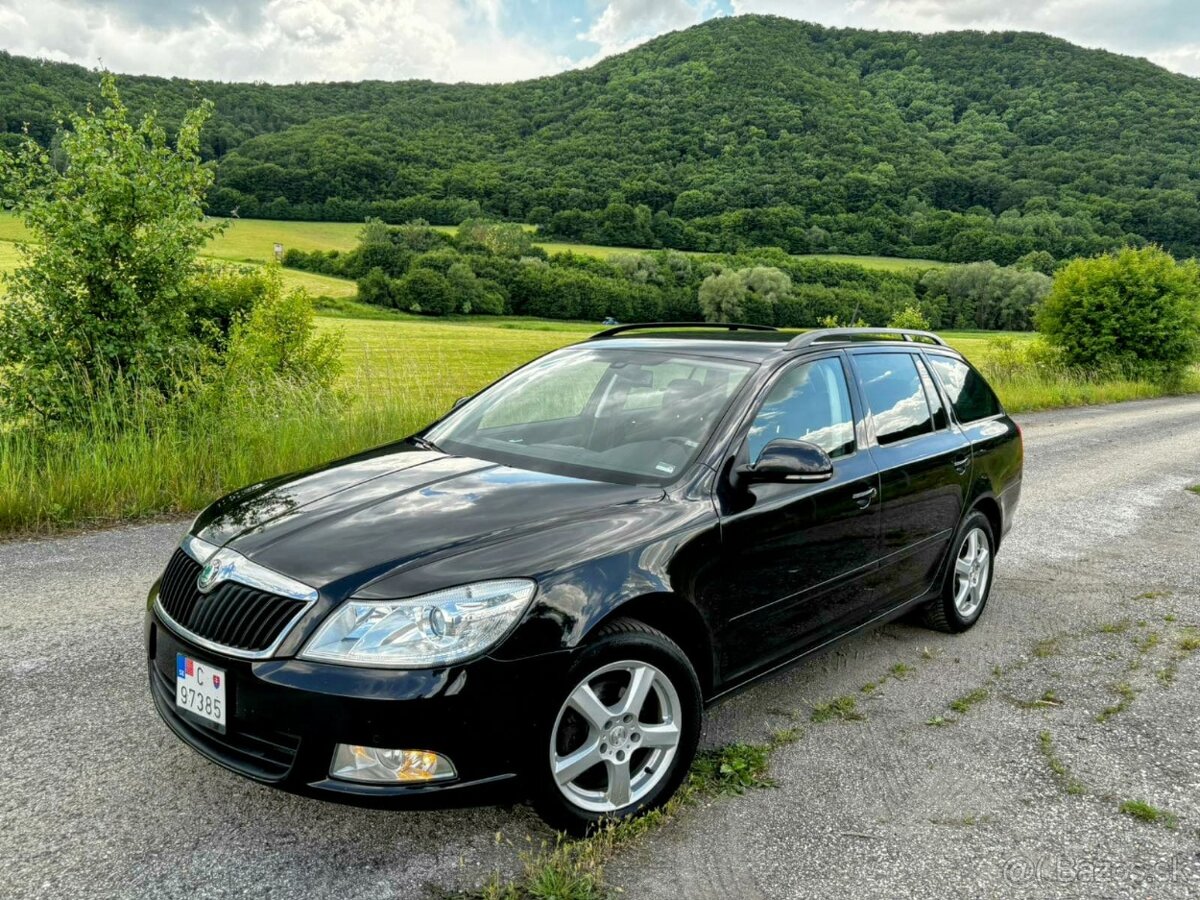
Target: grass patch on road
[969,701]
[1145,812]
[843,708]
[1062,773]
[1125,694]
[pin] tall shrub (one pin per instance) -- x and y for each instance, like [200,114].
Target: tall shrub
[1135,310]
[101,293]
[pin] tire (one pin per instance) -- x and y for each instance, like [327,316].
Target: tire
[962,601]
[617,756]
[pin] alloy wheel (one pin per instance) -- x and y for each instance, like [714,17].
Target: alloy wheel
[972,569]
[615,736]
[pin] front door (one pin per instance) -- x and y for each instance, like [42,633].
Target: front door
[795,557]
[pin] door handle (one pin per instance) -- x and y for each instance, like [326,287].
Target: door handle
[961,463]
[864,498]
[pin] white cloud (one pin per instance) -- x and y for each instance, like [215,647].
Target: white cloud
[1184,58]
[289,40]
[624,23]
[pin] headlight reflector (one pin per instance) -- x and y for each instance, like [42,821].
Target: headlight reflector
[421,632]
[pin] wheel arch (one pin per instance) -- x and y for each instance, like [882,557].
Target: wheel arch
[677,619]
[988,505]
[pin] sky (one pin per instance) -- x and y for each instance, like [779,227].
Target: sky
[507,40]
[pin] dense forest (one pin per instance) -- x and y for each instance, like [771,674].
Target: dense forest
[737,133]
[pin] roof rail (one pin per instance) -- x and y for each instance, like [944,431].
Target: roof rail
[821,335]
[638,326]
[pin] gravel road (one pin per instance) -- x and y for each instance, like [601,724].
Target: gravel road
[1094,588]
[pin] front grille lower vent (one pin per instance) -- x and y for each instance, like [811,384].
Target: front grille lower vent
[232,615]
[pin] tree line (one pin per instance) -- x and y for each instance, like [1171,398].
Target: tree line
[490,268]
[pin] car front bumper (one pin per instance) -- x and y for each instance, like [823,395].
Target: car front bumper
[285,716]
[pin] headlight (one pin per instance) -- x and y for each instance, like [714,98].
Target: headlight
[420,632]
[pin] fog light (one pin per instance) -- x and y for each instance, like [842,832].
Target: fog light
[377,765]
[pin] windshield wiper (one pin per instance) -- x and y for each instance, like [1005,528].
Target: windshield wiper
[426,445]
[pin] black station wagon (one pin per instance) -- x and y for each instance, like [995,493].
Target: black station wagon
[545,587]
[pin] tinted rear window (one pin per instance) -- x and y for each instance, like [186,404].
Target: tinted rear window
[894,393]
[969,394]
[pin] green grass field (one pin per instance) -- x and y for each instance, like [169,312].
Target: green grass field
[246,241]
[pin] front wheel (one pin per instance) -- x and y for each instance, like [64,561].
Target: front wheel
[969,579]
[625,731]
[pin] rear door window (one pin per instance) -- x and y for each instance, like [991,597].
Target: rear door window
[971,396]
[893,390]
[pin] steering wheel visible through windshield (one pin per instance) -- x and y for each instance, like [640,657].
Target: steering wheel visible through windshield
[629,416]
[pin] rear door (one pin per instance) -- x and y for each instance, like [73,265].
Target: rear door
[924,464]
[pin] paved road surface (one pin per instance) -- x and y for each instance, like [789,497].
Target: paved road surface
[97,799]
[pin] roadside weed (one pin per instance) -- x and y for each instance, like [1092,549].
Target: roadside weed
[1062,772]
[844,708]
[966,702]
[1126,693]
[1145,812]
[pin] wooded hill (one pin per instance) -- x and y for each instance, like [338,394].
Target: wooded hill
[748,131]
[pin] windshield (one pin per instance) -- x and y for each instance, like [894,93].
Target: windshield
[631,416]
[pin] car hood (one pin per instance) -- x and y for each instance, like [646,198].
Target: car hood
[343,526]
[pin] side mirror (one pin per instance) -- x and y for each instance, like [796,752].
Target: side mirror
[786,461]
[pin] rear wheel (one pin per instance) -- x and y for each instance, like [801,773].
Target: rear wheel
[624,732]
[969,579]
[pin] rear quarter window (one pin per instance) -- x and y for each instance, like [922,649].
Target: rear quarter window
[971,396]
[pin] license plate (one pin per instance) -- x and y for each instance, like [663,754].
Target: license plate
[200,689]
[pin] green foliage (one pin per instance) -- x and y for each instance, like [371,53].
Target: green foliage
[500,238]
[1135,310]
[745,295]
[277,339]
[982,295]
[909,317]
[1036,261]
[961,146]
[217,296]
[424,290]
[722,297]
[765,285]
[103,292]
[375,288]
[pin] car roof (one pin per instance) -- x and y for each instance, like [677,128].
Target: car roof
[752,346]
[756,346]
